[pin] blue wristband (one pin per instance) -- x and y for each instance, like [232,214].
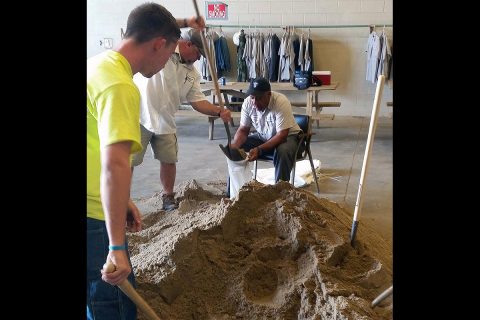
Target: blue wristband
[112,248]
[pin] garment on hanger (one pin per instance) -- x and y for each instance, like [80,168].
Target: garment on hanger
[255,71]
[373,52]
[241,64]
[301,55]
[308,58]
[210,37]
[248,56]
[287,55]
[390,64]
[274,58]
[260,61]
[295,46]
[222,55]
[384,57]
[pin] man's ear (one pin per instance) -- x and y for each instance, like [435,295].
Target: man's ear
[159,43]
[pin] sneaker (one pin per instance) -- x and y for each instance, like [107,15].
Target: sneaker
[169,202]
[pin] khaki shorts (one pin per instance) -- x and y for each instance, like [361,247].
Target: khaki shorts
[164,147]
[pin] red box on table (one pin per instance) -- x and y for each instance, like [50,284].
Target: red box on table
[321,77]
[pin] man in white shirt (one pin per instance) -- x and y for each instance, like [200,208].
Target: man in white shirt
[161,95]
[270,113]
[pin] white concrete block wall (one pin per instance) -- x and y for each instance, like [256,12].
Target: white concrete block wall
[340,50]
[326,6]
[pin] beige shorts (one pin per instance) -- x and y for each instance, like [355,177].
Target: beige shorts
[164,147]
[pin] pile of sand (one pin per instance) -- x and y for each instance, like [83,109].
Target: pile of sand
[276,252]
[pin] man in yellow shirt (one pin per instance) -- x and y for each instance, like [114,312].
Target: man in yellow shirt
[113,134]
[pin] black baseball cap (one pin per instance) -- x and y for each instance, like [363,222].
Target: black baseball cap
[258,87]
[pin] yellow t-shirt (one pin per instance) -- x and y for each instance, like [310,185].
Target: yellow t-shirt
[113,115]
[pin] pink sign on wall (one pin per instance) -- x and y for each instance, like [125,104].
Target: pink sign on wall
[216,10]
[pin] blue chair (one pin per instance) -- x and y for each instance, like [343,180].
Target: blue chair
[304,122]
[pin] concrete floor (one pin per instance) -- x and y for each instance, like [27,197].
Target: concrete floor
[339,144]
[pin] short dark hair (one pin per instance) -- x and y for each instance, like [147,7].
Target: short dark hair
[151,20]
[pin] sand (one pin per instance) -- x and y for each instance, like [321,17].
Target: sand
[277,252]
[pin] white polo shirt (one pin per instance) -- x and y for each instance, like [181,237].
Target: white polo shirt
[162,94]
[277,116]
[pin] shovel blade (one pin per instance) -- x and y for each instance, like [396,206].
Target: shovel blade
[233,154]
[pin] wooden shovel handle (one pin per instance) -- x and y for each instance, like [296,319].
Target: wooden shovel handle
[130,292]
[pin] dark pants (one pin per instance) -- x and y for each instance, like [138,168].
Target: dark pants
[104,301]
[283,155]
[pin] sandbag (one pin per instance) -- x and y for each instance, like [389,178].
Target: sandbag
[240,173]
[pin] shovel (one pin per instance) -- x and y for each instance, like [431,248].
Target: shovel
[233,154]
[227,148]
[230,153]
[366,157]
[130,292]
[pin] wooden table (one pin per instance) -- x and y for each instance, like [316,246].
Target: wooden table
[233,89]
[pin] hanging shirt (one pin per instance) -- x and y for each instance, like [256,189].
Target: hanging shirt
[390,65]
[253,55]
[267,55]
[222,56]
[276,117]
[226,53]
[293,52]
[274,61]
[241,65]
[260,62]
[210,37]
[284,52]
[162,94]
[309,65]
[385,55]
[301,54]
[296,50]
[373,52]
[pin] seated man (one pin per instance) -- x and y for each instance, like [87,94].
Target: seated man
[270,113]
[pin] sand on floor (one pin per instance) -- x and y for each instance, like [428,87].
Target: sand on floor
[275,252]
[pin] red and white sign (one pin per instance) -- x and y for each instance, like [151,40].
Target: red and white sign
[216,10]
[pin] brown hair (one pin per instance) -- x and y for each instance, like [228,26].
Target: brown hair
[151,20]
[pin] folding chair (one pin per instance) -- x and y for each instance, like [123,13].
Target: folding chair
[304,122]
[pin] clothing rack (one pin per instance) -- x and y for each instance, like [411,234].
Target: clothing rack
[245,26]
[372,27]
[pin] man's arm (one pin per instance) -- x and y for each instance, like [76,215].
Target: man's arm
[205,107]
[280,137]
[191,22]
[115,194]
[240,137]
